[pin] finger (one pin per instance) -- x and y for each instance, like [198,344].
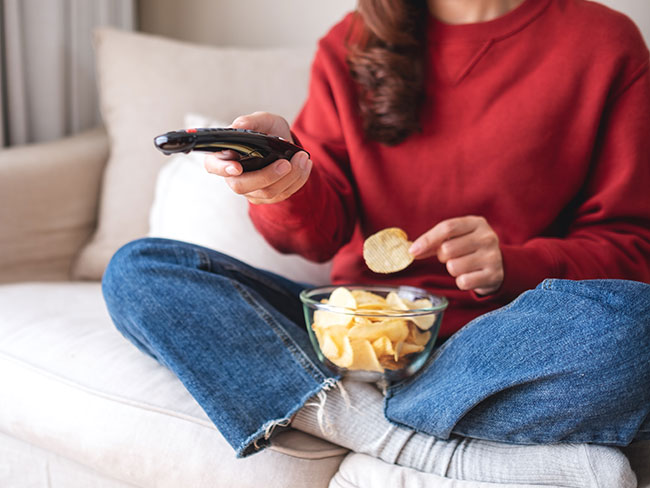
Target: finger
[457,247]
[287,192]
[483,281]
[262,178]
[428,243]
[465,264]
[227,155]
[257,121]
[215,165]
[264,122]
[276,189]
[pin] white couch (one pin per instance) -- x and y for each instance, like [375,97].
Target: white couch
[79,405]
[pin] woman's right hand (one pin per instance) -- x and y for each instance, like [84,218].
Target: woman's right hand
[272,184]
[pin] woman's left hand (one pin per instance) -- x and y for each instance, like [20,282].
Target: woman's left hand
[469,248]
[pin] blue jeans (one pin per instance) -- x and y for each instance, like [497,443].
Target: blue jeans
[566,362]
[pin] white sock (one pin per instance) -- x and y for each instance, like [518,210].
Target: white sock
[352,416]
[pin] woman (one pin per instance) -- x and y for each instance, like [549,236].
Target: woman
[510,138]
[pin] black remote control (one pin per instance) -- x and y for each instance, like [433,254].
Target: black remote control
[255,150]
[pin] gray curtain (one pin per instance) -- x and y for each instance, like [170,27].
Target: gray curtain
[47,72]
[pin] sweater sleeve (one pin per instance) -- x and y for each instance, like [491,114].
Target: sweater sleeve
[609,234]
[318,219]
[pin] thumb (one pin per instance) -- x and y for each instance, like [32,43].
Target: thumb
[264,122]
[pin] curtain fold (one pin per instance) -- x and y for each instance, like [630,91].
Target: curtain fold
[47,67]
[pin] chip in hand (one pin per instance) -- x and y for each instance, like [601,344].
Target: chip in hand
[387,251]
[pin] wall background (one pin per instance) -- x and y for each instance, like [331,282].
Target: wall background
[249,23]
[254,23]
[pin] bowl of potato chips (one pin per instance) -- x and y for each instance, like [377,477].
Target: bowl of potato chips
[373,333]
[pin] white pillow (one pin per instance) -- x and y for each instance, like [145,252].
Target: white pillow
[195,206]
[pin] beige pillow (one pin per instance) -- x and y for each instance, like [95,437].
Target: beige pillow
[147,84]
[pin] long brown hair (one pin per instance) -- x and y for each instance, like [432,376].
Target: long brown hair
[386,59]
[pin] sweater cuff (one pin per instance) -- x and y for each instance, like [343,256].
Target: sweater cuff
[523,269]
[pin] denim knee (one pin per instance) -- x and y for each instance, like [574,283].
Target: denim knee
[619,311]
[122,269]
[125,284]
[567,361]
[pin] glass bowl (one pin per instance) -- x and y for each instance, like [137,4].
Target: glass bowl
[372,333]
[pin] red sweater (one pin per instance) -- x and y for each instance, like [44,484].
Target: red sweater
[539,121]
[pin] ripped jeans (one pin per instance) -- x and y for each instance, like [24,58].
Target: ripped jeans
[566,362]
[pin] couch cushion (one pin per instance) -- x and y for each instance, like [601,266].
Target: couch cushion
[22,465]
[48,199]
[74,386]
[146,85]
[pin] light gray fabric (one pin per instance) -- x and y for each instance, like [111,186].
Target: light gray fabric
[73,386]
[23,465]
[352,415]
[48,204]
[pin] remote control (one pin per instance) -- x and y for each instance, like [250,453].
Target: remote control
[254,149]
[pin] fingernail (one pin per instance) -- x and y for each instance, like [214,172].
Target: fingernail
[415,248]
[283,168]
[302,160]
[231,170]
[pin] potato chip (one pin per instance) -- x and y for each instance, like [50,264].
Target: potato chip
[362,320]
[397,302]
[346,357]
[416,337]
[371,340]
[408,348]
[325,318]
[383,347]
[328,347]
[342,298]
[366,299]
[424,322]
[336,333]
[364,357]
[387,251]
[395,329]
[398,350]
[422,303]
[388,362]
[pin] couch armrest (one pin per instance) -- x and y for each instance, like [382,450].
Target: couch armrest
[49,194]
